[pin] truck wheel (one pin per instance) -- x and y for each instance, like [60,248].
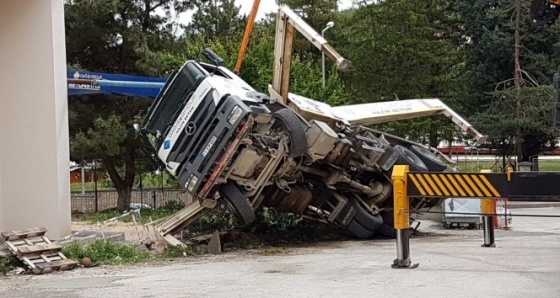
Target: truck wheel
[432,162]
[406,157]
[387,228]
[388,159]
[346,215]
[365,218]
[296,131]
[358,230]
[237,203]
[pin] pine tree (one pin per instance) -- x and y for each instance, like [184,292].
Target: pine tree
[116,37]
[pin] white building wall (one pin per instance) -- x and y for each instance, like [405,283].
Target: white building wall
[34,157]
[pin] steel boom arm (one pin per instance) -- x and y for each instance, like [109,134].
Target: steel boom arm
[287,22]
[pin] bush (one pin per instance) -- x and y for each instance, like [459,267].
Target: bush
[8,263]
[219,218]
[282,221]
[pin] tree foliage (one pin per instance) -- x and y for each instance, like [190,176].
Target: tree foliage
[513,108]
[111,36]
[215,19]
[123,37]
[404,49]
[459,51]
[533,124]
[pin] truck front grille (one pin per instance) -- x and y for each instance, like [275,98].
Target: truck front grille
[197,153]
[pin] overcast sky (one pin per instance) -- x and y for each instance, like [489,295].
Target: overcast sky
[267,6]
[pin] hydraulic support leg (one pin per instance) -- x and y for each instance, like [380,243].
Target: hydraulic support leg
[488,222]
[402,217]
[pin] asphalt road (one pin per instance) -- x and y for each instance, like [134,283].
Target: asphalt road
[525,263]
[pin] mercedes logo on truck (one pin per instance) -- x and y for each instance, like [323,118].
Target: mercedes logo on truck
[190,128]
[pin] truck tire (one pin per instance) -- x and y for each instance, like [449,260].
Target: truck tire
[432,162]
[237,203]
[359,231]
[346,215]
[291,122]
[365,218]
[406,157]
[387,228]
[388,231]
[387,159]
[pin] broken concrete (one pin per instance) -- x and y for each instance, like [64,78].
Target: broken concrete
[215,245]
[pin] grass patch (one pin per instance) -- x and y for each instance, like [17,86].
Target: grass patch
[106,253]
[181,251]
[111,253]
[145,214]
[274,251]
[549,165]
[473,166]
[476,166]
[97,217]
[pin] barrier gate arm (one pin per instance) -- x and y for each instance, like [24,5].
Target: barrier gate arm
[515,186]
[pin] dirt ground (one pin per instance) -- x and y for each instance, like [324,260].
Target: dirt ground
[525,263]
[305,234]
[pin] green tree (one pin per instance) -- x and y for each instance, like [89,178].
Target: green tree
[317,13]
[508,58]
[533,126]
[101,129]
[215,19]
[305,75]
[403,49]
[122,37]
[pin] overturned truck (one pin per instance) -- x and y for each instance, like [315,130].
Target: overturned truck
[227,143]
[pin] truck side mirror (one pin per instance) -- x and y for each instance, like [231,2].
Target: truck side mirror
[212,57]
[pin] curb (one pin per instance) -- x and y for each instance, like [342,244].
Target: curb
[519,205]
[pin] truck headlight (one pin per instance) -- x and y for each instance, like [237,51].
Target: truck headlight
[234,115]
[191,183]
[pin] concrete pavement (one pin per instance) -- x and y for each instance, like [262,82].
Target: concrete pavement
[525,263]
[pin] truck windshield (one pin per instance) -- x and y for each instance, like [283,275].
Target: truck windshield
[169,103]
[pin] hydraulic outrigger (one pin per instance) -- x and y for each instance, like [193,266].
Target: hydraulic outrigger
[515,186]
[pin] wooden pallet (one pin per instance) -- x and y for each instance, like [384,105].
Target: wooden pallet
[37,251]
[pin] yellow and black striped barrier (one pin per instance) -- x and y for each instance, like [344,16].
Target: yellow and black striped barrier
[452,185]
[515,186]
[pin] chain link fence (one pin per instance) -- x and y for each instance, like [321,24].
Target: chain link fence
[101,200]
